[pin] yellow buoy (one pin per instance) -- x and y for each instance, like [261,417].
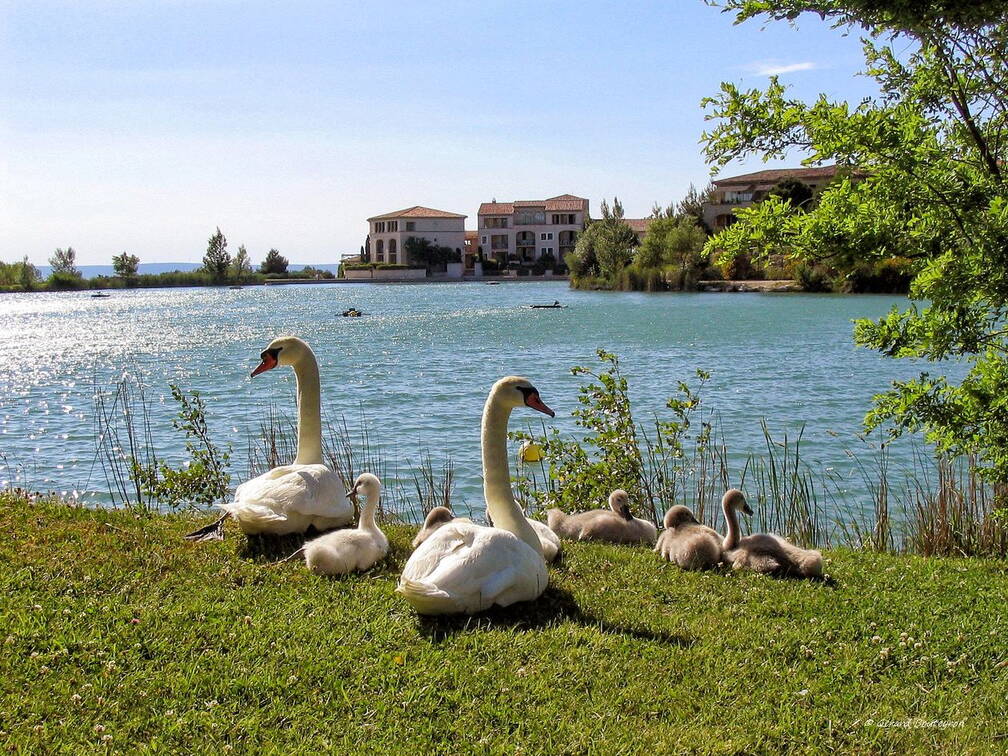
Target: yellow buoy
[530,452]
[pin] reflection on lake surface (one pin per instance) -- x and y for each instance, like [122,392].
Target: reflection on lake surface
[420,362]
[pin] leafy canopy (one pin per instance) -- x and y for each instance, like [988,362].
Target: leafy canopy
[921,179]
[64,262]
[125,265]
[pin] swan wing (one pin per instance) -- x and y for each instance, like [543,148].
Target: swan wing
[466,568]
[293,496]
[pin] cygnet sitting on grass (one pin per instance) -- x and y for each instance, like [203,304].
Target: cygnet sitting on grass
[344,551]
[614,525]
[687,543]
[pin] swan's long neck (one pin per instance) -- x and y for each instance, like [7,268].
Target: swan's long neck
[731,538]
[367,515]
[309,446]
[500,502]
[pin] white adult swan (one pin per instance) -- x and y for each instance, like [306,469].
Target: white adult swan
[687,543]
[359,548]
[291,498]
[440,515]
[464,567]
[614,525]
[763,552]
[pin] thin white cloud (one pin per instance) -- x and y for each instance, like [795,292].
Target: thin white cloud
[776,69]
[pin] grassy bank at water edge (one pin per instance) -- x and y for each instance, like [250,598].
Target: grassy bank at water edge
[118,635]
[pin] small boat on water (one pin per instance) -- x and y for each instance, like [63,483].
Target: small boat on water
[555,306]
[353,312]
[493,283]
[100,295]
[236,287]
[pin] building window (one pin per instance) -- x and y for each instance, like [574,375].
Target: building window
[546,251]
[499,241]
[735,198]
[411,225]
[392,251]
[393,226]
[546,236]
[495,223]
[566,219]
[380,251]
[540,217]
[483,240]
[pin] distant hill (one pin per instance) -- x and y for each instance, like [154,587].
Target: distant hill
[90,271]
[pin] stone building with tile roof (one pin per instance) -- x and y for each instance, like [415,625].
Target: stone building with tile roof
[525,230]
[388,232]
[734,192]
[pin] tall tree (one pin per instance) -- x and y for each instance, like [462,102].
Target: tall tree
[692,205]
[274,263]
[64,262]
[125,265]
[923,179]
[29,275]
[605,247]
[241,266]
[672,241]
[217,259]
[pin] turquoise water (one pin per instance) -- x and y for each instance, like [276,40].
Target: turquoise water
[420,363]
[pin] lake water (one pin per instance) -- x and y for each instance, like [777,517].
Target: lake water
[419,365]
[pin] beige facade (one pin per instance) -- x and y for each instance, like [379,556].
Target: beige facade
[387,234]
[742,191]
[526,230]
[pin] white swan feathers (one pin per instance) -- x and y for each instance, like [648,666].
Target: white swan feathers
[466,568]
[346,550]
[305,493]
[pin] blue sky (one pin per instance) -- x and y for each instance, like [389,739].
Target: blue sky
[143,126]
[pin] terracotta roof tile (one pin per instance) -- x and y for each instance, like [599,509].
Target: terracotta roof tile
[566,205]
[417,211]
[638,225]
[563,203]
[779,174]
[496,208]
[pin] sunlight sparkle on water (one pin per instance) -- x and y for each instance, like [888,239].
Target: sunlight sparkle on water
[419,365]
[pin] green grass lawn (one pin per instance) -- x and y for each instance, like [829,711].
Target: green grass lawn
[118,635]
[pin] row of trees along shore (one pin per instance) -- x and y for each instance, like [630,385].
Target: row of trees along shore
[679,249]
[219,268]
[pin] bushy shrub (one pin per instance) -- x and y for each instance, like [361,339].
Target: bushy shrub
[632,278]
[813,278]
[203,479]
[738,268]
[63,281]
[309,272]
[616,451]
[889,276]
[173,278]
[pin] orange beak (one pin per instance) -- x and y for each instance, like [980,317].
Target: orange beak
[533,401]
[268,363]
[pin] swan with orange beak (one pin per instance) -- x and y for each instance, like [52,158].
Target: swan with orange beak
[465,568]
[305,493]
